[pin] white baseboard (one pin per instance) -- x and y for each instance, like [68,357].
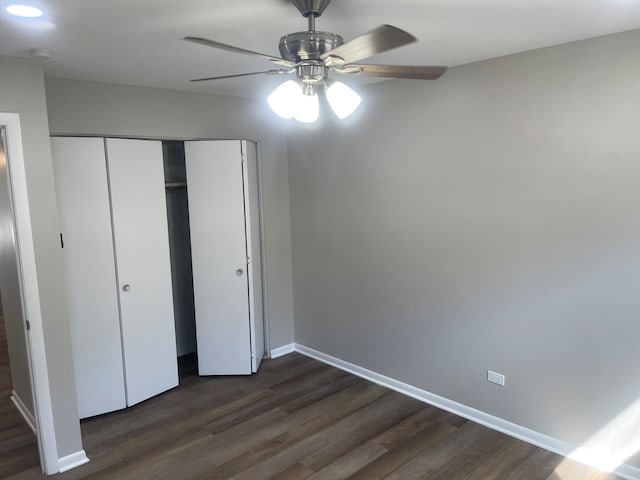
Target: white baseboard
[72,461]
[282,351]
[24,411]
[538,439]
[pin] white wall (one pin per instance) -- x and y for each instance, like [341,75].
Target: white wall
[487,220]
[78,107]
[22,91]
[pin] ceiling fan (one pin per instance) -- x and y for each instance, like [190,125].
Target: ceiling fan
[311,55]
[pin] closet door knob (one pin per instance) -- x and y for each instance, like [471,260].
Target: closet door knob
[126,287]
[239,272]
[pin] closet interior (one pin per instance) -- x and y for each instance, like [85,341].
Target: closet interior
[175,177]
[161,241]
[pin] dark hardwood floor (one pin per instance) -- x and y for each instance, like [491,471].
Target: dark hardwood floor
[18,444]
[300,419]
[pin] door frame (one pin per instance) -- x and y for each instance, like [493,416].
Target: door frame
[16,173]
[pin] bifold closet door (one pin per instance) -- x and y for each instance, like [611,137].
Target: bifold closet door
[83,204]
[215,188]
[141,239]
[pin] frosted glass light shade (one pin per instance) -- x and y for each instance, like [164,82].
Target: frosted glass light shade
[343,100]
[308,109]
[284,100]
[24,11]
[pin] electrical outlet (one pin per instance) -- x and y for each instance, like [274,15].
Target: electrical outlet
[495,377]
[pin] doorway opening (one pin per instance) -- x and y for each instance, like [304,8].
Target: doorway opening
[175,176]
[20,451]
[16,237]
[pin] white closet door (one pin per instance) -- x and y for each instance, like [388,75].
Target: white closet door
[141,239]
[83,204]
[254,267]
[219,255]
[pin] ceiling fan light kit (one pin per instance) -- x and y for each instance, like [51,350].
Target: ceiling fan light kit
[289,101]
[283,99]
[311,55]
[342,99]
[308,110]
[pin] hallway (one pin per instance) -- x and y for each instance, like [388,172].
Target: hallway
[18,445]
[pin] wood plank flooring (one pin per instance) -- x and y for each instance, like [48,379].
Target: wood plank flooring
[300,419]
[18,444]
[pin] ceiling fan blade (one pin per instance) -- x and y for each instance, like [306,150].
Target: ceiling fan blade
[231,48]
[396,71]
[266,72]
[378,40]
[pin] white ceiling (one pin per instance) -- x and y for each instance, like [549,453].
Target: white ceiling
[140,41]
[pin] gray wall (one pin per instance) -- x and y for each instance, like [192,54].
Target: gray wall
[22,91]
[78,107]
[487,220]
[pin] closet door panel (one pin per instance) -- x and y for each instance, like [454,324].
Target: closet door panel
[254,267]
[218,249]
[136,178]
[83,204]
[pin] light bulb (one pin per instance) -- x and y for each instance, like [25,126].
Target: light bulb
[24,11]
[284,100]
[343,99]
[308,109]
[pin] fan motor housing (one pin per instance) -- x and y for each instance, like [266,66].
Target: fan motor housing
[308,45]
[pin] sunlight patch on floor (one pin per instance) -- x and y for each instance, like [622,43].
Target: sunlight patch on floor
[612,445]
